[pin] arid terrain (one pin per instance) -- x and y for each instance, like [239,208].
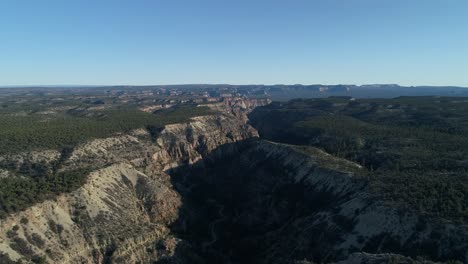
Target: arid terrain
[228,180]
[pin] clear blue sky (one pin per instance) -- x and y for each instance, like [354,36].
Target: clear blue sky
[410,42]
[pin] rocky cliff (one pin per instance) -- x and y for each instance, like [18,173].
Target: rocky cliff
[210,191]
[283,203]
[124,210]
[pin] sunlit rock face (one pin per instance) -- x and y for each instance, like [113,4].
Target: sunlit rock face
[124,210]
[211,191]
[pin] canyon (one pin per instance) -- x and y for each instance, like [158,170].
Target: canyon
[211,190]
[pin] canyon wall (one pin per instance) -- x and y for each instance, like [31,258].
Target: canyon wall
[124,210]
[211,191]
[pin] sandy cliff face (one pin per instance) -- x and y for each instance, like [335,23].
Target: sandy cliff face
[107,214]
[345,219]
[210,191]
[123,212]
[276,203]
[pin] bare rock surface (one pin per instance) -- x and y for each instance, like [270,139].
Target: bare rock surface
[210,191]
[124,210]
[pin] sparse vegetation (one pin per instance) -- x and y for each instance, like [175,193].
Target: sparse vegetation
[20,245]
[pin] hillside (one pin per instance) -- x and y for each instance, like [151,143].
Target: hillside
[415,149]
[244,181]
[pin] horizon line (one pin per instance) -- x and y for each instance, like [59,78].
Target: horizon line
[213,84]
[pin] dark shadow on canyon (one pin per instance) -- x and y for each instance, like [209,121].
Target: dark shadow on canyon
[241,206]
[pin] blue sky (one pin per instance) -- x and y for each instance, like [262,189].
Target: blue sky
[410,42]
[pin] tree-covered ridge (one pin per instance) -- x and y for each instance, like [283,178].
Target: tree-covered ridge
[37,131]
[33,182]
[415,148]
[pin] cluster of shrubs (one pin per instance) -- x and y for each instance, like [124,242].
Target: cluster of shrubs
[18,193]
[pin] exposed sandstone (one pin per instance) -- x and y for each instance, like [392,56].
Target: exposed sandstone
[124,210]
[144,195]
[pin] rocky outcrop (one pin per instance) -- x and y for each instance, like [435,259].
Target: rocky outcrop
[106,214]
[210,191]
[124,210]
[283,203]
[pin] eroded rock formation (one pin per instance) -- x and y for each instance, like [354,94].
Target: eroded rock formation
[210,191]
